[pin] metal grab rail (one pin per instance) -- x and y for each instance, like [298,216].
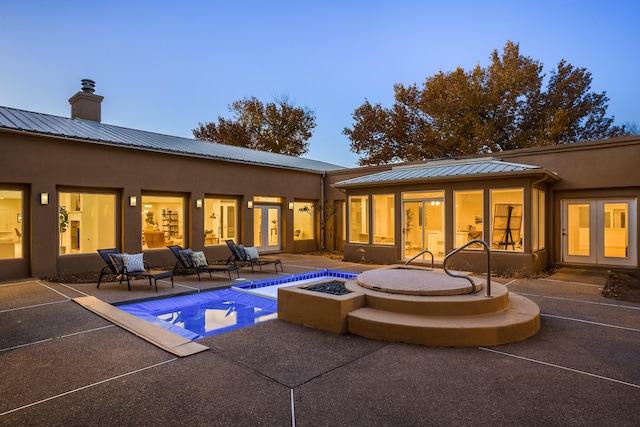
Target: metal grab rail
[426,251]
[464,276]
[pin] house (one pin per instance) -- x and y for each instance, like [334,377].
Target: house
[69,186]
[573,204]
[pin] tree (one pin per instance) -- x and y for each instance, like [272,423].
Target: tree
[323,213]
[484,110]
[278,127]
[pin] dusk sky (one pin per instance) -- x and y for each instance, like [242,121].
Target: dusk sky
[166,66]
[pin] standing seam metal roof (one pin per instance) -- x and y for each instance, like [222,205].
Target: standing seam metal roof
[27,121]
[446,169]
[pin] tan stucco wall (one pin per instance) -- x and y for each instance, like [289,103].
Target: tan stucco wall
[39,164]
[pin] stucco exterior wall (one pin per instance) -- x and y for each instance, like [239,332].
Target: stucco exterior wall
[39,164]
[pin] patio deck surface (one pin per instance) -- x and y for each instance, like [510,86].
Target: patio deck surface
[64,365]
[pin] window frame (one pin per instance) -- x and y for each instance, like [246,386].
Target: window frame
[390,210]
[77,209]
[177,236]
[476,227]
[298,211]
[365,228]
[220,233]
[518,244]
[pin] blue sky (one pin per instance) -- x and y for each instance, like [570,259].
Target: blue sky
[165,66]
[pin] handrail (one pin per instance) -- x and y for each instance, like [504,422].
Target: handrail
[464,276]
[423,252]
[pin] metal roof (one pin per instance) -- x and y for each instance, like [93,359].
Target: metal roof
[442,169]
[38,123]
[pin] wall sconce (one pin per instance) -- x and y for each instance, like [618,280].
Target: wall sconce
[198,203]
[290,206]
[250,204]
[133,201]
[44,198]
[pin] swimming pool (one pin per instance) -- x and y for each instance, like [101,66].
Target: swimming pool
[209,313]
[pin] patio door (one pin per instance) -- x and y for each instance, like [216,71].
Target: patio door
[266,228]
[599,232]
[423,227]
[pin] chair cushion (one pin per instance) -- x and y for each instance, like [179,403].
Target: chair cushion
[242,253]
[252,253]
[134,262]
[185,255]
[117,261]
[199,259]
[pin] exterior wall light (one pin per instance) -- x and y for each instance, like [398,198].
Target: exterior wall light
[290,206]
[133,201]
[250,204]
[198,203]
[44,198]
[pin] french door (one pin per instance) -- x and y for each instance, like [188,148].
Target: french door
[266,228]
[600,231]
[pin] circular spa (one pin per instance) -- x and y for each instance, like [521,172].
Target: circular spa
[405,280]
[415,305]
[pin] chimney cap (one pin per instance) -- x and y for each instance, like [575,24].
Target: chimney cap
[88,86]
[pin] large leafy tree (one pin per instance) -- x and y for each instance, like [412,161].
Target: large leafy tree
[278,127]
[483,110]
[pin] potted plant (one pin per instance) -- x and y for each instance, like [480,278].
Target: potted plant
[64,224]
[151,223]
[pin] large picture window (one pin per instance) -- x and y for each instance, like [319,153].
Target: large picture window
[162,221]
[220,220]
[507,211]
[468,217]
[383,219]
[87,222]
[303,214]
[11,224]
[359,219]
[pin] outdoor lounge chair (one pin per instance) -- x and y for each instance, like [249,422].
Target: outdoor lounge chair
[186,263]
[249,257]
[115,265]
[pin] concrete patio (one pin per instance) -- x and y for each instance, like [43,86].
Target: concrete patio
[64,365]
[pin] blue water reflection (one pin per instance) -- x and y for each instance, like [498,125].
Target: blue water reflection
[208,313]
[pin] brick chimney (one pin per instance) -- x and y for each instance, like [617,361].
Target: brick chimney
[85,104]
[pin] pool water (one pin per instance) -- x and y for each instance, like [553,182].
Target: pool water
[209,313]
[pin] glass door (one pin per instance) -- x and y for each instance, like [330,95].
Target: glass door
[413,229]
[599,232]
[266,228]
[423,227]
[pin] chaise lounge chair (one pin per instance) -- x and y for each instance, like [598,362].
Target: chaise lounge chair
[250,257]
[186,263]
[116,264]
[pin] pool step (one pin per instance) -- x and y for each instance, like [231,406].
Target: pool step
[446,305]
[520,320]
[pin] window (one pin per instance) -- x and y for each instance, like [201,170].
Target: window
[423,195]
[468,217]
[506,208]
[303,214]
[162,221]
[220,220]
[383,219]
[538,220]
[11,224]
[87,222]
[359,219]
